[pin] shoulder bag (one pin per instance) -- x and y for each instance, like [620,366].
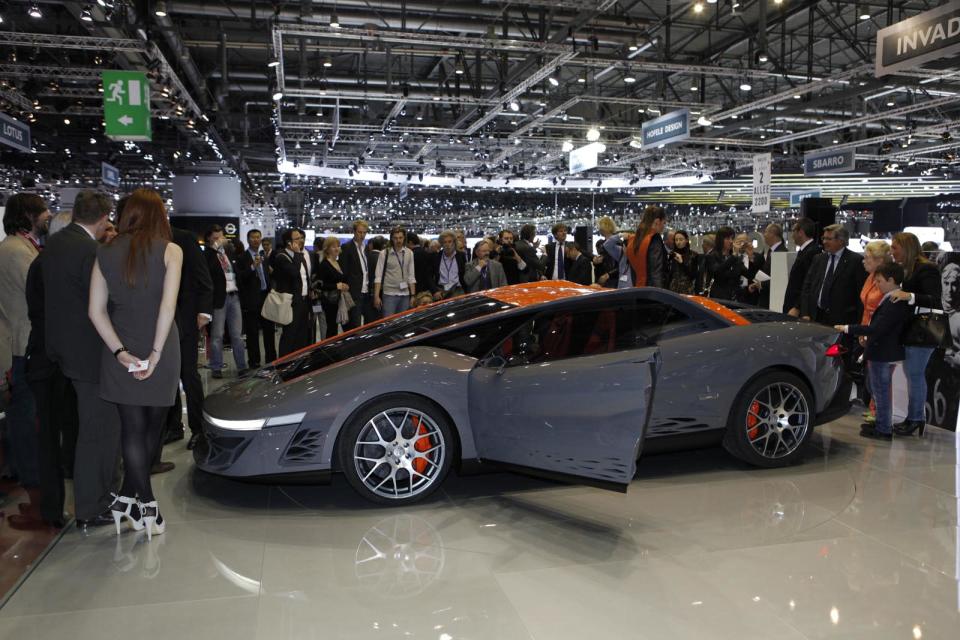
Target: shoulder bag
[278,307]
[927,329]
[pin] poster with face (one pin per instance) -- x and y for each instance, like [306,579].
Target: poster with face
[943,371]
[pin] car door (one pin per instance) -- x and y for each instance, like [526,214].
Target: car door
[567,395]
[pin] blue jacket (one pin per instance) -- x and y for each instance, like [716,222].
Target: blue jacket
[883,332]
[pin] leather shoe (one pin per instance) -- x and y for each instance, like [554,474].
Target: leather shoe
[100,520]
[243,373]
[174,435]
[192,442]
[162,467]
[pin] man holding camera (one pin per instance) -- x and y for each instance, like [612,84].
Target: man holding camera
[514,267]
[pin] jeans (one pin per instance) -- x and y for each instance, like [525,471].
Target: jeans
[915,368]
[394,304]
[880,376]
[231,316]
[363,306]
[22,426]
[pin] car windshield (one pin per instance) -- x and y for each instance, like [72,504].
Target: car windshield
[386,333]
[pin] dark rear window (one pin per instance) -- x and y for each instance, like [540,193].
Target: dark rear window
[756,314]
[389,332]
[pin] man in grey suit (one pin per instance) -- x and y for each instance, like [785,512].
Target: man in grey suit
[73,343]
[483,273]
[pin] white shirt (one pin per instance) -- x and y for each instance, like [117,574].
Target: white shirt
[365,288]
[304,277]
[89,233]
[395,272]
[449,271]
[804,245]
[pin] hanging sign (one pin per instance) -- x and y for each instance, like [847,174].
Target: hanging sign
[585,157]
[109,175]
[797,196]
[126,105]
[14,133]
[667,129]
[761,182]
[927,36]
[823,161]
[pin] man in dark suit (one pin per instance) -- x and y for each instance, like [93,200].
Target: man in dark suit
[804,232]
[831,290]
[449,267]
[291,275]
[73,343]
[530,266]
[773,237]
[421,262]
[357,261]
[579,266]
[555,263]
[253,281]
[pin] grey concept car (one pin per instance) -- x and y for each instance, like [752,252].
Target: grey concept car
[548,378]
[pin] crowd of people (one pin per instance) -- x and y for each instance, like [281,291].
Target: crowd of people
[106,315]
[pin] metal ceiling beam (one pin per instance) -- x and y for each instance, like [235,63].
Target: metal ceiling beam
[86,43]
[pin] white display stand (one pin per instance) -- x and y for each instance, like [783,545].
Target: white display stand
[780,267]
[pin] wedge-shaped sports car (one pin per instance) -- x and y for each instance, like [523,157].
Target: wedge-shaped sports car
[547,378]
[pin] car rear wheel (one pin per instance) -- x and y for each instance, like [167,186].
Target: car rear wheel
[771,421]
[397,450]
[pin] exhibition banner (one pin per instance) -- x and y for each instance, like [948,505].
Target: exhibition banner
[109,175]
[584,158]
[761,182]
[930,35]
[667,129]
[14,133]
[797,196]
[943,370]
[126,105]
[823,161]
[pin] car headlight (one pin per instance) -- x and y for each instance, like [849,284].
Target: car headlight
[255,425]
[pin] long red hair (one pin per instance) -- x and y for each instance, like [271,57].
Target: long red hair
[144,220]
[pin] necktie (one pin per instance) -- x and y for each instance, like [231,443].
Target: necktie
[827,283]
[263,280]
[224,263]
[560,270]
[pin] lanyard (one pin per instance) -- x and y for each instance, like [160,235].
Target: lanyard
[29,236]
[363,257]
[400,260]
[448,266]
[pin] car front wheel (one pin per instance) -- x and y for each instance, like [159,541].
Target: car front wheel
[396,450]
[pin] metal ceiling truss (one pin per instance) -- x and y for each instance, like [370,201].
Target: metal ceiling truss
[57,41]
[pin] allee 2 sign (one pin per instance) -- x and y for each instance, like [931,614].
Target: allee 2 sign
[927,36]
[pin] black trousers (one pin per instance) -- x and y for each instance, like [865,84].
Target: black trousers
[297,334]
[57,417]
[98,451]
[363,306]
[253,326]
[330,310]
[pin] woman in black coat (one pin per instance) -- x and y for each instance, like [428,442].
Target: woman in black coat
[724,266]
[682,265]
[332,283]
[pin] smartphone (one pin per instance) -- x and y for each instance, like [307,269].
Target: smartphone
[139,365]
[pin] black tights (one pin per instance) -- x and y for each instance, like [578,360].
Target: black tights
[139,439]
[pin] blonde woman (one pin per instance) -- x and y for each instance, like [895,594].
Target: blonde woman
[332,282]
[874,254]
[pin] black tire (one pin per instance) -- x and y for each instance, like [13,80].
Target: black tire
[418,458]
[771,420]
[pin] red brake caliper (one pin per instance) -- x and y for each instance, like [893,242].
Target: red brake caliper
[753,420]
[422,444]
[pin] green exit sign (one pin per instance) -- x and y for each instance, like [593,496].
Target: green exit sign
[126,105]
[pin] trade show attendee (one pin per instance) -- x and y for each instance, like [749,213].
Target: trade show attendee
[510,260]
[804,233]
[357,262]
[555,262]
[133,302]
[395,282]
[74,345]
[668,234]
[267,246]
[253,283]
[875,254]
[921,293]
[743,246]
[227,315]
[530,268]
[614,246]
[883,347]
[831,290]
[110,233]
[703,275]
[646,251]
[421,261]
[449,267]
[773,237]
[683,265]
[462,243]
[332,283]
[605,268]
[579,267]
[25,221]
[290,275]
[482,272]
[725,265]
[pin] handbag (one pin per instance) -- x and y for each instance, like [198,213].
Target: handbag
[329,296]
[927,329]
[278,307]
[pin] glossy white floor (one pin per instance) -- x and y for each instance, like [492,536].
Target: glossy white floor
[860,541]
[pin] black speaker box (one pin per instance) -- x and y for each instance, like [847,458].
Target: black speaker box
[820,210]
[583,236]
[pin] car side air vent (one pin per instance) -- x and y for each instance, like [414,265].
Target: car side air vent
[223,451]
[304,448]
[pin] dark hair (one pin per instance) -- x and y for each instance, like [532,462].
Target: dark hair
[90,206]
[399,230]
[121,203]
[287,235]
[252,231]
[687,248]
[891,271]
[555,228]
[722,234]
[145,221]
[510,231]
[527,232]
[22,209]
[650,215]
[212,229]
[413,238]
[574,245]
[808,226]
[379,243]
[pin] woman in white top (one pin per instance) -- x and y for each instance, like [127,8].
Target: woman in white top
[395,284]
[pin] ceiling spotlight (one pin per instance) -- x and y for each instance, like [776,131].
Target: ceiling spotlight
[704,121]
[864,15]
[762,57]
[593,134]
[514,106]
[797,96]
[86,15]
[583,78]
[459,67]
[776,2]
[567,146]
[745,86]
[160,9]
[274,62]
[694,88]
[553,79]
[34,11]
[634,45]
[629,79]
[66,121]
[698,7]
[327,62]
[277,95]
[334,21]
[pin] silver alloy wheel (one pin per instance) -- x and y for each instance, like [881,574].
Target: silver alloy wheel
[399,453]
[777,420]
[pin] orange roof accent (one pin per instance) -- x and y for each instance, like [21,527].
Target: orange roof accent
[531,293]
[719,309]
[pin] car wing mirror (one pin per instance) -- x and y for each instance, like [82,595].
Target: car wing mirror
[496,361]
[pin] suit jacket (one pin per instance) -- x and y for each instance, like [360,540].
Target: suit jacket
[725,272]
[498,278]
[16,255]
[422,269]
[248,283]
[550,263]
[798,274]
[39,365]
[196,287]
[763,300]
[72,342]
[217,277]
[286,274]
[528,254]
[461,268]
[883,332]
[580,270]
[353,270]
[843,305]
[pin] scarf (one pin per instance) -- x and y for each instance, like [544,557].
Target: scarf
[637,256]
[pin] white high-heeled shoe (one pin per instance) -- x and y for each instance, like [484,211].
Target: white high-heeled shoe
[152,519]
[120,512]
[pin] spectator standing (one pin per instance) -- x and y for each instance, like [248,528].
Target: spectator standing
[133,302]
[449,267]
[529,266]
[773,237]
[253,283]
[421,261]
[357,262]
[395,283]
[25,221]
[510,260]
[804,231]
[290,275]
[579,266]
[683,264]
[743,246]
[831,290]
[922,295]
[646,251]
[74,345]
[605,268]
[227,315]
[332,283]
[614,246]
[482,272]
[555,263]
[875,254]
[703,275]
[725,266]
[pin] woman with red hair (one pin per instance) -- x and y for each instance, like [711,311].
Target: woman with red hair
[133,299]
